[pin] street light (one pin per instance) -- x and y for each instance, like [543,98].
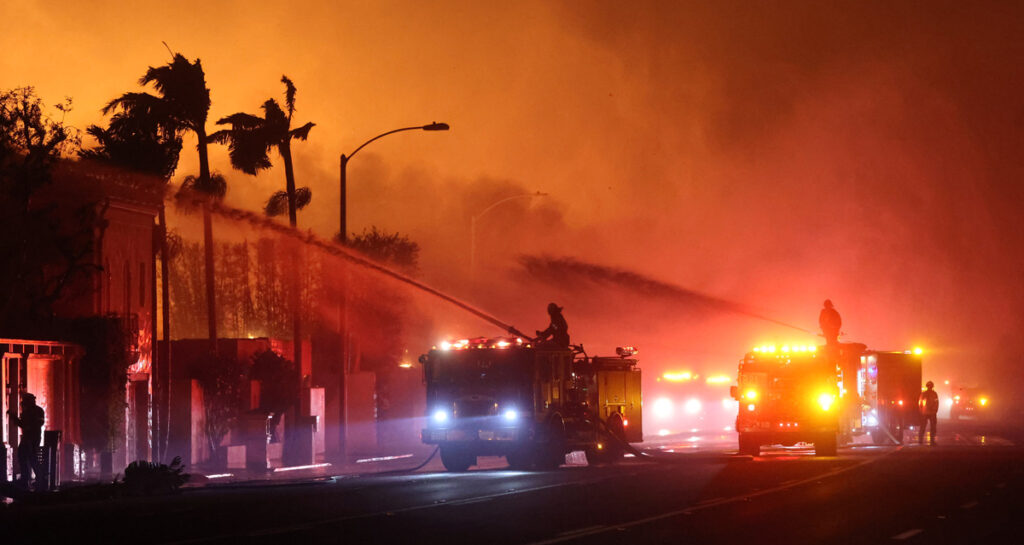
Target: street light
[472,226]
[343,307]
[343,232]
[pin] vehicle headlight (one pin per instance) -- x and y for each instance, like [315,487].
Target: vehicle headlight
[826,401]
[511,415]
[692,406]
[662,407]
[440,416]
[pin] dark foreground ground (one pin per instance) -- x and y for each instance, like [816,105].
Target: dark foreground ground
[966,490]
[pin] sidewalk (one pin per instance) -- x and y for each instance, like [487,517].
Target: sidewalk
[397,461]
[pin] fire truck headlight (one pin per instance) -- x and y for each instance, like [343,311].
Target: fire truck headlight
[440,416]
[511,415]
[872,421]
[825,401]
[662,407]
[692,405]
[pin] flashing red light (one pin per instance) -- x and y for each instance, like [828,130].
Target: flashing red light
[900,402]
[625,422]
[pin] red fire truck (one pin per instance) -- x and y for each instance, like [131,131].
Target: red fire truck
[825,395]
[506,396]
[788,395]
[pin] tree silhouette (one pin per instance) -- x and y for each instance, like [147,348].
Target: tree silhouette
[250,139]
[46,241]
[182,105]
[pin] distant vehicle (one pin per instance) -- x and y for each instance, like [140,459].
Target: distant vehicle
[787,395]
[685,402]
[970,403]
[504,396]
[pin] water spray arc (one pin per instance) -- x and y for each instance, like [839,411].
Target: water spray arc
[337,250]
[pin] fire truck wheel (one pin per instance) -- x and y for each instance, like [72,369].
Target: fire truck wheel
[551,453]
[826,445]
[520,460]
[749,445]
[455,459]
[878,438]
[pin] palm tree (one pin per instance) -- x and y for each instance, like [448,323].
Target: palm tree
[182,105]
[250,139]
[137,141]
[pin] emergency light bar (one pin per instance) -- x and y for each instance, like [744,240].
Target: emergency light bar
[785,349]
[484,343]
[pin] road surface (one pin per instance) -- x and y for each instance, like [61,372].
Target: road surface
[966,490]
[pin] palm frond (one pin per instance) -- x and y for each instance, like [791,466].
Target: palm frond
[289,95]
[277,204]
[215,186]
[241,120]
[182,85]
[302,132]
[302,197]
[277,122]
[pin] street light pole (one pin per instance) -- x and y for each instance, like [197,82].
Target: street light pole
[343,167]
[472,226]
[343,308]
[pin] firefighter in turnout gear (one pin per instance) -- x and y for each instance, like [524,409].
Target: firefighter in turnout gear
[558,331]
[929,406]
[830,322]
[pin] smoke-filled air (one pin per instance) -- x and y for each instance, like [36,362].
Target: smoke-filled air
[692,178]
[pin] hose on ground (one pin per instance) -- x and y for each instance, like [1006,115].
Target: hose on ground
[407,470]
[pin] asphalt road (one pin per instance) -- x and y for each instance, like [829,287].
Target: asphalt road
[966,490]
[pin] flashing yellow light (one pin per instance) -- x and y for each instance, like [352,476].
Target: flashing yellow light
[983,401]
[445,345]
[812,348]
[504,344]
[405,365]
[957,397]
[771,349]
[826,400]
[718,379]
[757,349]
[677,376]
[918,351]
[750,394]
[785,348]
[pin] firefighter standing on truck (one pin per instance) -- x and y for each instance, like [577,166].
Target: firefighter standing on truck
[830,322]
[929,405]
[558,330]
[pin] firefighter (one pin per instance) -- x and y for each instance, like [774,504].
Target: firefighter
[31,423]
[830,323]
[558,330]
[928,403]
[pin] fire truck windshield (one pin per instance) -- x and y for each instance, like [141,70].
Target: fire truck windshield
[482,367]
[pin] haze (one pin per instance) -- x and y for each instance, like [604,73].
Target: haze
[767,154]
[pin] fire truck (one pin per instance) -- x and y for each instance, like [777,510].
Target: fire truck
[788,395]
[825,395]
[507,396]
[888,387]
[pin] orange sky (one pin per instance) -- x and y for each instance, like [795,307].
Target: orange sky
[770,155]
